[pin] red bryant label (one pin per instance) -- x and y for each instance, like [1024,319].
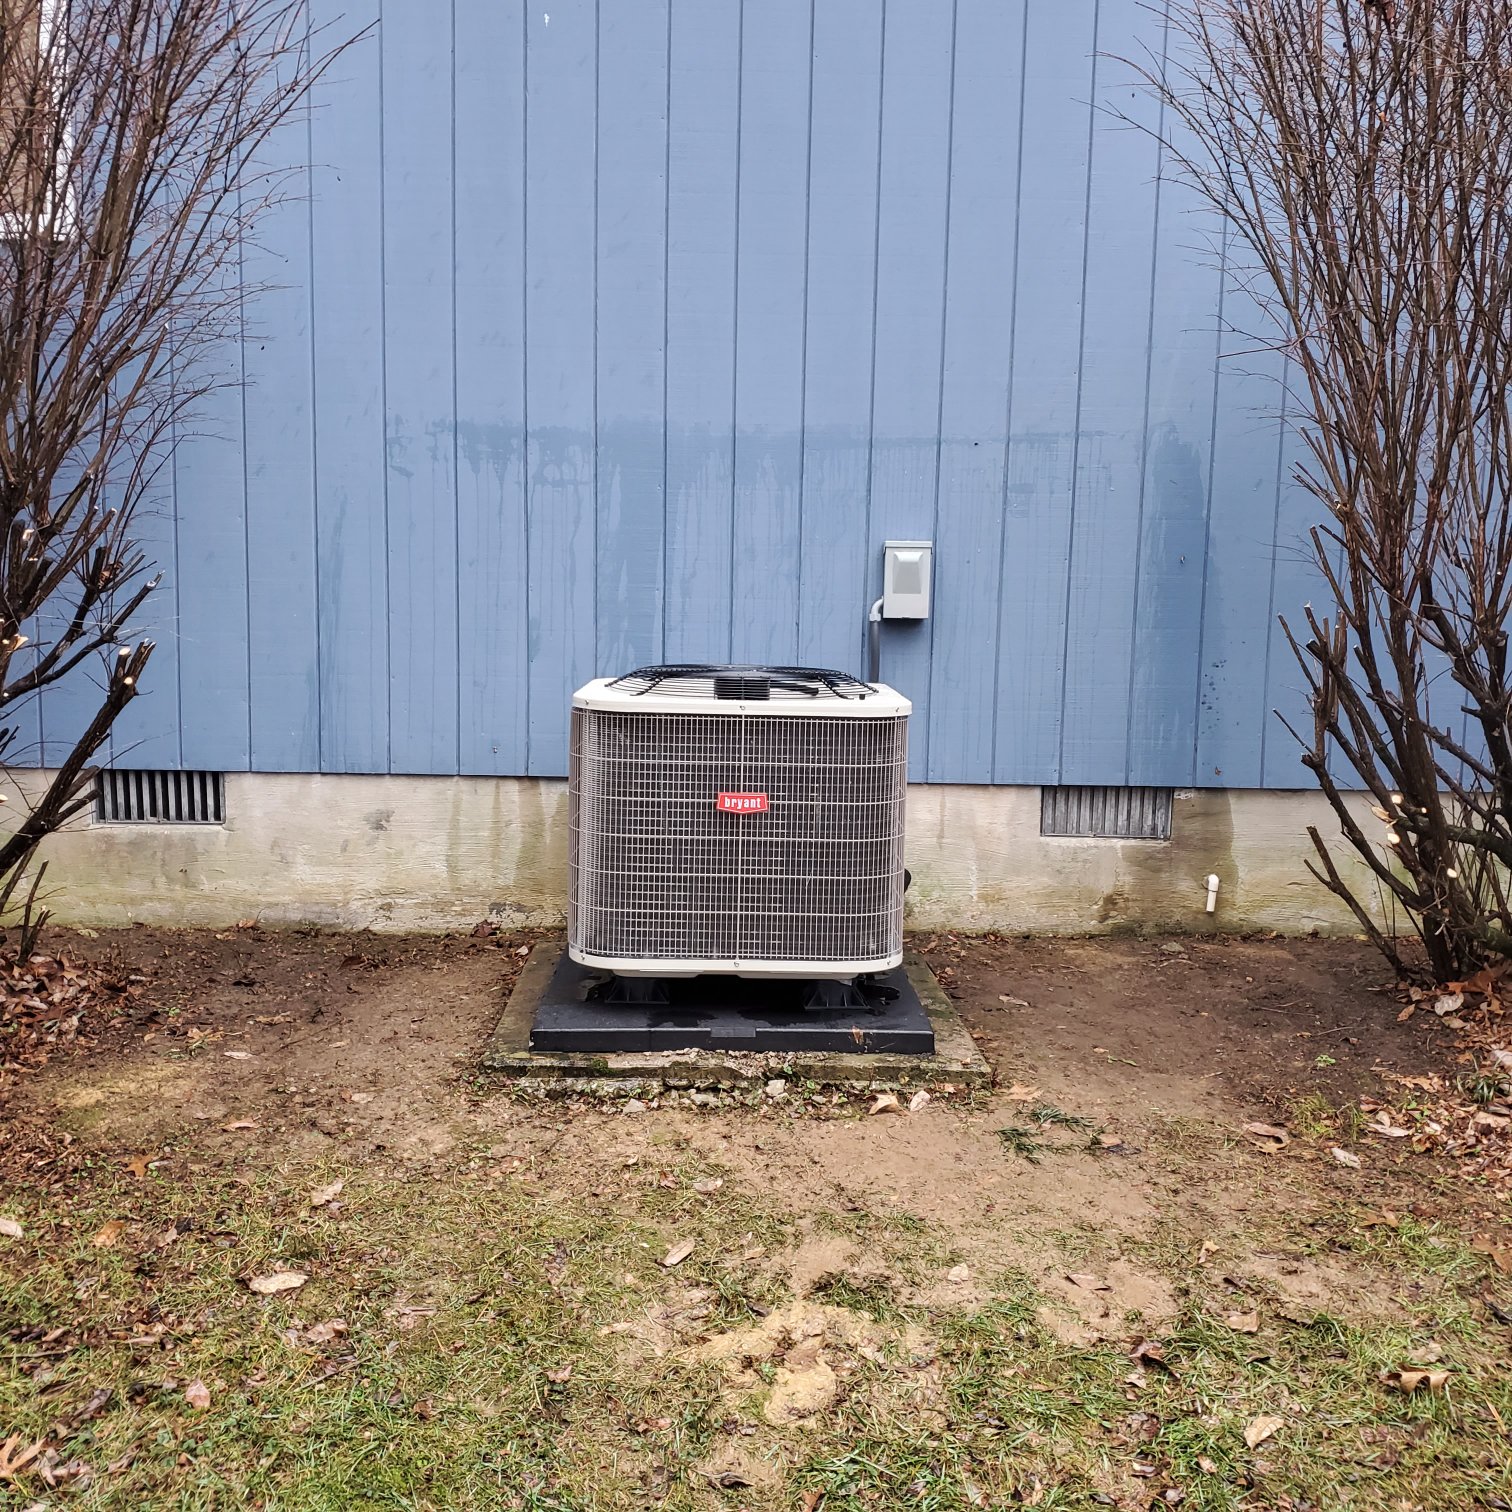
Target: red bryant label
[742,803]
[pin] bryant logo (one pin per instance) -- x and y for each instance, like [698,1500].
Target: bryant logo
[742,803]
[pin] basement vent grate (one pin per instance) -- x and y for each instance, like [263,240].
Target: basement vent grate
[160,798]
[1106,813]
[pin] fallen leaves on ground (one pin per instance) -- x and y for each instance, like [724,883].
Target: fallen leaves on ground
[48,1001]
[1465,1117]
[109,1235]
[326,1194]
[679,1252]
[10,1229]
[1266,1136]
[887,1102]
[1243,1322]
[1345,1158]
[197,1394]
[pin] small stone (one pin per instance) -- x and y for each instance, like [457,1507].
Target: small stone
[776,1089]
[1171,947]
[635,1105]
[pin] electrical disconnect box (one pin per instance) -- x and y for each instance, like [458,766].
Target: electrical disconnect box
[907,567]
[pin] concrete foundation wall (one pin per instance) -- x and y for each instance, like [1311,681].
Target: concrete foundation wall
[435,853]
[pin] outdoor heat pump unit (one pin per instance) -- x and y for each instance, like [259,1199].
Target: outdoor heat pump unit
[745,821]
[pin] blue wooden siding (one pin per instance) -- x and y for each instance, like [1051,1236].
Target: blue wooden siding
[601,333]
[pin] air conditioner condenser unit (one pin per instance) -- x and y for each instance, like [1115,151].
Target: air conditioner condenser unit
[737,820]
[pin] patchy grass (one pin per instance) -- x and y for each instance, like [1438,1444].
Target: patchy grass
[468,1339]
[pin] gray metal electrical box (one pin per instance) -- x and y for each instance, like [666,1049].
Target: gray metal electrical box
[907,567]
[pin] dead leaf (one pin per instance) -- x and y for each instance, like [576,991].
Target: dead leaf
[1500,1256]
[1109,1142]
[1267,1136]
[239,1123]
[1206,1248]
[279,1281]
[1243,1322]
[108,1235]
[1406,1013]
[1150,1352]
[887,1102]
[327,1332]
[237,1054]
[10,1229]
[708,1186]
[274,1018]
[811,1501]
[1260,1429]
[359,1097]
[1448,1002]
[1018,1092]
[138,1165]
[919,1100]
[958,1273]
[322,1195]
[246,923]
[560,1376]
[197,1394]
[1345,1158]
[14,1459]
[1409,1381]
[1012,1002]
[1384,1219]
[679,1252]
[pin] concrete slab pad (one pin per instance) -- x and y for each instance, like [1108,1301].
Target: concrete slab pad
[956,1060]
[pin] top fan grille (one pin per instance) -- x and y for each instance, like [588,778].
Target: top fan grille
[748,684]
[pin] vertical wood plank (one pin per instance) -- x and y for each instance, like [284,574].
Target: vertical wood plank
[1295,583]
[148,733]
[214,609]
[834,567]
[769,328]
[989,81]
[1112,406]
[703,159]
[348,355]
[1168,618]
[1236,644]
[490,378]
[279,436]
[420,430]
[561,145]
[913,211]
[632,312]
[1061,42]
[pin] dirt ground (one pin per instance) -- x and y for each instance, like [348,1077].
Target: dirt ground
[1109,1167]
[300,1043]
